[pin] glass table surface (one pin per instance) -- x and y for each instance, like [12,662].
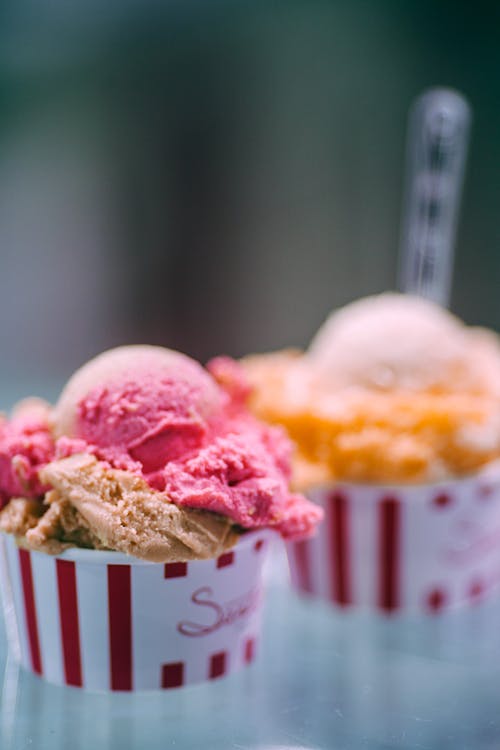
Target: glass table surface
[323,680]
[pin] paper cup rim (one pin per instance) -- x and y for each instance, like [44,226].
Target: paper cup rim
[492,468]
[112,557]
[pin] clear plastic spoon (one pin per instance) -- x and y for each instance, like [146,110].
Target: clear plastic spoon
[438,135]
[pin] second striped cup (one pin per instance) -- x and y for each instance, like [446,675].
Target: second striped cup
[404,549]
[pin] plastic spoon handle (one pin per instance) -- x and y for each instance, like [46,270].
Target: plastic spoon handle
[438,135]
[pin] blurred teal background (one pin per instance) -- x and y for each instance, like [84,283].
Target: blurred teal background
[216,176]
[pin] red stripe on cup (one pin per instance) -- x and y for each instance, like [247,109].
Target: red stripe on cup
[175,570]
[68,616]
[339,549]
[249,650]
[172,675]
[389,552]
[226,559]
[436,600]
[120,626]
[301,550]
[218,665]
[30,610]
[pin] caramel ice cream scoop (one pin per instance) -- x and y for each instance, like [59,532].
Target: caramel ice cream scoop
[393,389]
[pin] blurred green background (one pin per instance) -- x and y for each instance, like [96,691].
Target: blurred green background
[216,176]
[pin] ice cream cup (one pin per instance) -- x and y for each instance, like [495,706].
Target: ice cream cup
[106,621]
[404,549]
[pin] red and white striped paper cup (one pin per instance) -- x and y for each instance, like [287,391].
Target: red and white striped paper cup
[403,549]
[108,621]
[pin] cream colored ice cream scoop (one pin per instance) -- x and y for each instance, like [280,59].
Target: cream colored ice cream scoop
[405,342]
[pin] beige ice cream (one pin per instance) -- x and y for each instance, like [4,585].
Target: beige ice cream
[392,389]
[95,506]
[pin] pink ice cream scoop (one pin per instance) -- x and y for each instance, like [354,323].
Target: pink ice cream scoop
[138,404]
[160,415]
[25,445]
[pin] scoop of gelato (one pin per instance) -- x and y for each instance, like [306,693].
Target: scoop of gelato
[142,403]
[395,341]
[125,514]
[26,444]
[148,453]
[392,389]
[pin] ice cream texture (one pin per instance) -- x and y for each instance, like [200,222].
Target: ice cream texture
[393,389]
[147,452]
